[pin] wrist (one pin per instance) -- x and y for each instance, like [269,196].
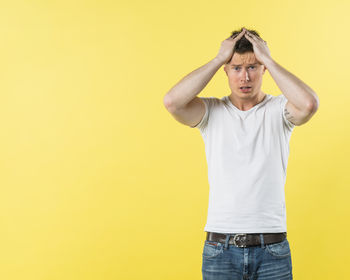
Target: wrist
[268,62]
[219,60]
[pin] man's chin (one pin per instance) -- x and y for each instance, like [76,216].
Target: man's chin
[244,94]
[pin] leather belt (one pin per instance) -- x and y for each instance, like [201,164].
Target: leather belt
[246,239]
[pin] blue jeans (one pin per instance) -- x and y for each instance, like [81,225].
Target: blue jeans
[223,261]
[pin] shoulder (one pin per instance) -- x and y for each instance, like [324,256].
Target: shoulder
[277,103]
[212,100]
[276,100]
[213,103]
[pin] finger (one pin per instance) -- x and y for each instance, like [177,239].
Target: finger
[251,36]
[250,39]
[260,39]
[240,35]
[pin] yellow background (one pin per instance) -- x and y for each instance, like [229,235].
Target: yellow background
[98,181]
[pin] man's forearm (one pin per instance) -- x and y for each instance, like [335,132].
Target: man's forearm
[295,90]
[192,84]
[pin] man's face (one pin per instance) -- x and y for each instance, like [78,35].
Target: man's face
[244,70]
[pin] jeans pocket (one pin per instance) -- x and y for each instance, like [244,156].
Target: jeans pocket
[279,249]
[212,249]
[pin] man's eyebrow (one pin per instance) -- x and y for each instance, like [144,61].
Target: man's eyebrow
[242,64]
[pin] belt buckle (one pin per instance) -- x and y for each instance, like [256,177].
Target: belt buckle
[243,235]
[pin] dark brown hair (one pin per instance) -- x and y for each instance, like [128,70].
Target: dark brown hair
[243,45]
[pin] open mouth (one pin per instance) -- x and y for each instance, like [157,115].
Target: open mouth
[245,89]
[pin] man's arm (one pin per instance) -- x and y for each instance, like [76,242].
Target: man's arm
[191,85]
[186,90]
[302,100]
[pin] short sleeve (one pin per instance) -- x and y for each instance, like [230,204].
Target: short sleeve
[289,125]
[204,121]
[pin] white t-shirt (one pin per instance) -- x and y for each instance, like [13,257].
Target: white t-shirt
[247,154]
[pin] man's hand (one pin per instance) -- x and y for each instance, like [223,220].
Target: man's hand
[261,50]
[227,47]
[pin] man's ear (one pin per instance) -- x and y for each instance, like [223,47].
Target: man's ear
[264,69]
[225,68]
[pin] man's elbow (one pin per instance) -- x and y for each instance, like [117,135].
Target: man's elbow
[168,104]
[313,106]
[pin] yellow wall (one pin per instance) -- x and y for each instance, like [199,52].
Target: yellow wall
[98,181]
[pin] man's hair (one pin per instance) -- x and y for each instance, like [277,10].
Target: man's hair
[243,45]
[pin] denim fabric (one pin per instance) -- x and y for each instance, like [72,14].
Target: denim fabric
[223,261]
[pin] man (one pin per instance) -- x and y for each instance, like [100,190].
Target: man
[246,136]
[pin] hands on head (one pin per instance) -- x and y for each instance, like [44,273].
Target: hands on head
[261,50]
[227,47]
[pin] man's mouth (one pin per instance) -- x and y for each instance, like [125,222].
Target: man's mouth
[245,89]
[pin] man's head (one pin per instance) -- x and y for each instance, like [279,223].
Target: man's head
[244,70]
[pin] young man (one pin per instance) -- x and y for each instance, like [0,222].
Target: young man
[246,135]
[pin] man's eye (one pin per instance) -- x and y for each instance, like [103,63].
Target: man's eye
[236,68]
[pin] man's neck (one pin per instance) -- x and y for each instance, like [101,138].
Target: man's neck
[245,104]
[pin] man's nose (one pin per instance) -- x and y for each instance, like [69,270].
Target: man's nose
[245,76]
